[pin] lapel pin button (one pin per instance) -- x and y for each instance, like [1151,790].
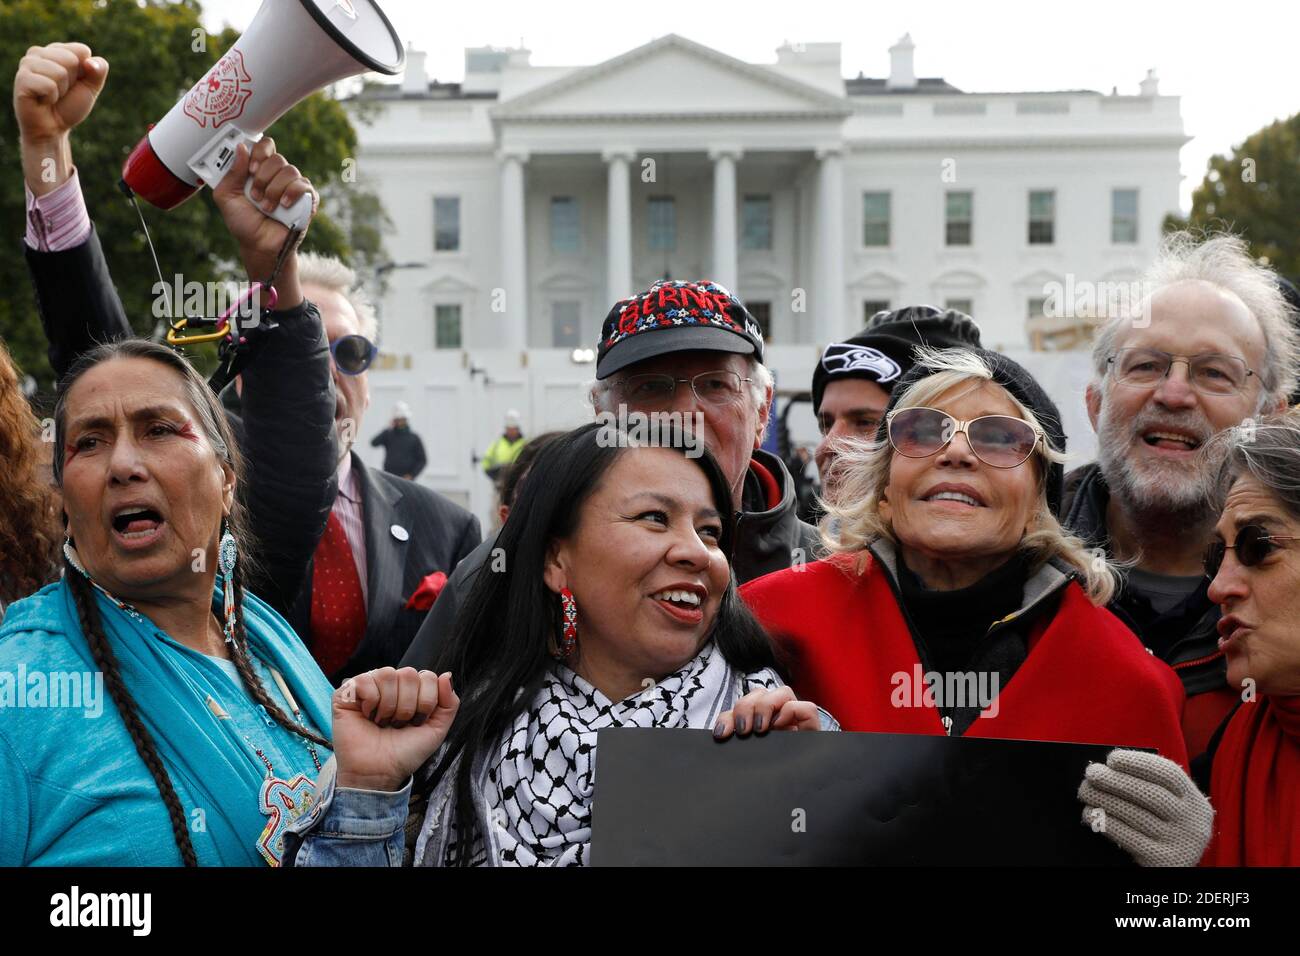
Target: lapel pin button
[400,533]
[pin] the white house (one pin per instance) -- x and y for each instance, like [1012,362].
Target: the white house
[525,200]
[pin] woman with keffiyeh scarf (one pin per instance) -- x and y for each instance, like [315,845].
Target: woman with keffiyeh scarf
[637,538]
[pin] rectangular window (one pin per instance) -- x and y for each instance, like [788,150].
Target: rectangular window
[1042,217]
[1037,307]
[961,305]
[661,217]
[959,210]
[762,313]
[756,223]
[871,306]
[446,223]
[1124,216]
[565,330]
[446,326]
[875,219]
[564,224]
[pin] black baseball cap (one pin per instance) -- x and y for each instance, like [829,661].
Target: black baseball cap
[674,315]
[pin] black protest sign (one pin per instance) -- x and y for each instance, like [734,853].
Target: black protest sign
[680,798]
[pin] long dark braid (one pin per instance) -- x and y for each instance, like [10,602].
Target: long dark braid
[244,664]
[106,661]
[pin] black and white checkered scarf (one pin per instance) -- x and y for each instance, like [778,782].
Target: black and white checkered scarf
[535,799]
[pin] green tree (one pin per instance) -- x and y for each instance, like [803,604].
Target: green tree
[156,51]
[1255,192]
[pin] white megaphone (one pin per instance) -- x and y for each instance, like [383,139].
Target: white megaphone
[291,49]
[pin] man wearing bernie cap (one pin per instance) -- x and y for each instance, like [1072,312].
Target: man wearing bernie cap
[853,380]
[693,347]
[686,348]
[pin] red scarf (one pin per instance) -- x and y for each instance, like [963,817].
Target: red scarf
[1255,787]
[1087,678]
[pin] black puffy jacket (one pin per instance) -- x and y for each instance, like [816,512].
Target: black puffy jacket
[1188,634]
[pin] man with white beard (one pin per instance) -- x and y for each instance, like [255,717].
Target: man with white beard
[1212,347]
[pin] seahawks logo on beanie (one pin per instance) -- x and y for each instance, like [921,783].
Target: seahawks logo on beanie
[846,357]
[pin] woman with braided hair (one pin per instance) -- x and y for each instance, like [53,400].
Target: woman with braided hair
[217,718]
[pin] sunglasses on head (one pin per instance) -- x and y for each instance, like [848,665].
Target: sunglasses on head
[1253,545]
[353,353]
[997,440]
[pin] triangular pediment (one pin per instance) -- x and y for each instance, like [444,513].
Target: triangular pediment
[877,279]
[671,76]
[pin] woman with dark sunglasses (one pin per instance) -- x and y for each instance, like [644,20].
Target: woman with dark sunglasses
[949,570]
[1253,763]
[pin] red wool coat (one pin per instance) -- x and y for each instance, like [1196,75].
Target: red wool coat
[1086,679]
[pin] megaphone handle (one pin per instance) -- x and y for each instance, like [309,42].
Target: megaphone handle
[295,216]
[213,161]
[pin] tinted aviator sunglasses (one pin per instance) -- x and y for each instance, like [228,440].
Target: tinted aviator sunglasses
[353,353]
[1253,545]
[1000,441]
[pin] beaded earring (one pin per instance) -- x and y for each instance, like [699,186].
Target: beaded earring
[569,637]
[227,555]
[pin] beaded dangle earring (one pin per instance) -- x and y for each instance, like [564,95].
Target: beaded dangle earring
[227,555]
[569,637]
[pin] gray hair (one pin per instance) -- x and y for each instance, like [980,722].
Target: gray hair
[330,273]
[1269,452]
[1223,260]
[207,408]
[853,518]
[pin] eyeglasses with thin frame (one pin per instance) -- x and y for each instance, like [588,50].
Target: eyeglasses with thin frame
[1000,441]
[353,353]
[654,389]
[1210,373]
[1253,545]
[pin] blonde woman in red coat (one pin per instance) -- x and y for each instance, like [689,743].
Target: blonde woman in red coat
[953,603]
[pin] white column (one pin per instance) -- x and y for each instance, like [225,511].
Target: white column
[513,329]
[826,301]
[725,268]
[618,225]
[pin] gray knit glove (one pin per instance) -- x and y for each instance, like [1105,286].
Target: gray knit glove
[1148,807]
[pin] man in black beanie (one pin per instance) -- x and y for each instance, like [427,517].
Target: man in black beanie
[854,379]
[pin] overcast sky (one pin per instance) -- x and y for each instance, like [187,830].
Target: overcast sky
[1233,64]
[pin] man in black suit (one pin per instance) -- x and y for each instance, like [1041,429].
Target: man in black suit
[399,532]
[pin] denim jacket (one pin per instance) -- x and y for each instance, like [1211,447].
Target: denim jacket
[348,827]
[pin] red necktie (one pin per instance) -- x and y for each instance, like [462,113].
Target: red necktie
[338,608]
